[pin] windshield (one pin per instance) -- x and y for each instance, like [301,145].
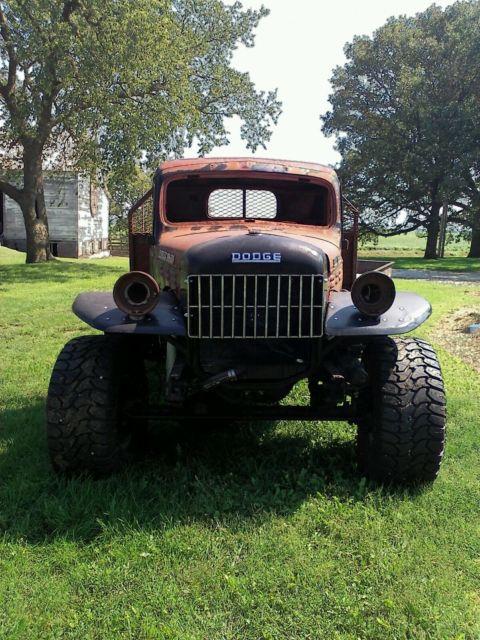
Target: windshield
[202,199]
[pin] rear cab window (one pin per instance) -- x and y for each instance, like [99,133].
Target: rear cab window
[208,199]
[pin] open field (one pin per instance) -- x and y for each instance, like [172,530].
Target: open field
[410,242]
[453,264]
[249,533]
[406,251]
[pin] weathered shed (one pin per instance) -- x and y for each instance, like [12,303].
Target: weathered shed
[77,217]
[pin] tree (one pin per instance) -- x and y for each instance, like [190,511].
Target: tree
[124,190]
[404,115]
[108,85]
[473,209]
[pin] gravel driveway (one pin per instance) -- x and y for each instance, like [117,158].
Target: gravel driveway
[445,276]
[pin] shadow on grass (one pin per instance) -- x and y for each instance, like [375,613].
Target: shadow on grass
[56,271]
[222,475]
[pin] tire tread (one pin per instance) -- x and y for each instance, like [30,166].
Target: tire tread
[403,437]
[82,407]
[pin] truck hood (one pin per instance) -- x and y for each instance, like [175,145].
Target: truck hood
[222,241]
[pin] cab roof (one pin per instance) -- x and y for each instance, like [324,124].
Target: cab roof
[267,165]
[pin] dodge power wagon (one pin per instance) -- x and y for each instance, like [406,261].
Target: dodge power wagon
[244,281]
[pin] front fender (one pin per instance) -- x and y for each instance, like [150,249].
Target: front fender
[343,318]
[98,309]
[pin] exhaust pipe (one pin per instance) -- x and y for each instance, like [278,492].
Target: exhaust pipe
[136,294]
[373,293]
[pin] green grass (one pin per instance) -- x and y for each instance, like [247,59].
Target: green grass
[411,242]
[258,532]
[407,249]
[455,265]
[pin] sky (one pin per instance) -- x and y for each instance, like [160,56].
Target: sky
[297,47]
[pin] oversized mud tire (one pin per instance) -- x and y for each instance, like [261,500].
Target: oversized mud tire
[92,381]
[401,428]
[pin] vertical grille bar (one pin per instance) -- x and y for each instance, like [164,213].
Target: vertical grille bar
[289,304]
[245,279]
[312,284]
[255,297]
[295,313]
[222,307]
[211,306]
[200,306]
[233,306]
[300,307]
[279,292]
[267,305]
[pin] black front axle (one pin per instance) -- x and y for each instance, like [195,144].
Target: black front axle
[247,413]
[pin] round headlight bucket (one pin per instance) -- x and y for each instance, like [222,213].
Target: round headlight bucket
[373,293]
[136,293]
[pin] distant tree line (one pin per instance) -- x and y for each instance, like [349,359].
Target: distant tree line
[405,111]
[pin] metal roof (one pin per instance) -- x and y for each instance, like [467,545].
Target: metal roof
[247,164]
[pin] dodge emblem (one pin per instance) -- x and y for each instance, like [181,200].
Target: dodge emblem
[255,256]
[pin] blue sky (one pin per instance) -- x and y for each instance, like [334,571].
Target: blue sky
[297,46]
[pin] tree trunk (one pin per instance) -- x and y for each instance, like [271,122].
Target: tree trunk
[475,243]
[33,206]
[433,228]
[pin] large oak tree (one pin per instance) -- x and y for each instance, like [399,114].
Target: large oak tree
[105,85]
[406,118]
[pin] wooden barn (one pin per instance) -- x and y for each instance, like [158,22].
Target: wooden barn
[77,217]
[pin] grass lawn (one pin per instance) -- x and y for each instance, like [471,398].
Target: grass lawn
[254,533]
[402,261]
[407,249]
[410,242]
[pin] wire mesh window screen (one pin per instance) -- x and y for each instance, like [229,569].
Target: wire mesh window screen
[231,203]
[142,219]
[226,203]
[260,204]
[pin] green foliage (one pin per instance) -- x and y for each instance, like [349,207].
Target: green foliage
[124,189]
[119,81]
[107,86]
[405,116]
[243,532]
[406,251]
[415,260]
[414,241]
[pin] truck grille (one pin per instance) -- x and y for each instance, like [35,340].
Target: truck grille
[255,306]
